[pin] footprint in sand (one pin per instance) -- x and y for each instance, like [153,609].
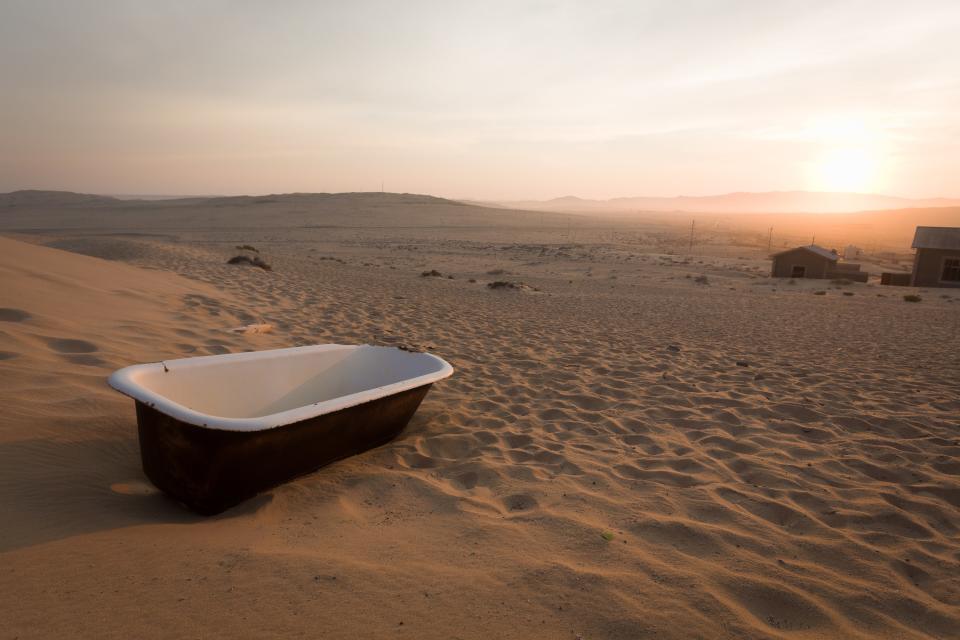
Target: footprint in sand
[520,502]
[467,480]
[418,461]
[76,351]
[13,315]
[85,359]
[69,345]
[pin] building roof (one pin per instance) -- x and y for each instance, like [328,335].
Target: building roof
[937,238]
[813,248]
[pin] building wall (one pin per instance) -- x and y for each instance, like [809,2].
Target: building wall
[896,279]
[928,267]
[817,267]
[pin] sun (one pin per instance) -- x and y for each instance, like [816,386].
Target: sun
[845,169]
[850,153]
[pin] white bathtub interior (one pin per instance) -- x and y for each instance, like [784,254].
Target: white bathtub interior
[269,382]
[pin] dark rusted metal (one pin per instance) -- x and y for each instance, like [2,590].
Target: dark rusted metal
[210,470]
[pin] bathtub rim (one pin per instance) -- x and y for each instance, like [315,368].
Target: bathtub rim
[123,380]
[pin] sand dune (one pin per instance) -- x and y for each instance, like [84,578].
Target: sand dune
[624,451]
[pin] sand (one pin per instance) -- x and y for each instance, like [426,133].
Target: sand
[623,451]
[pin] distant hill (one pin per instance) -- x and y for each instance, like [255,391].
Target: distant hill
[39,211]
[34,198]
[743,202]
[36,211]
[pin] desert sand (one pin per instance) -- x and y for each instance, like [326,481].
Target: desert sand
[638,442]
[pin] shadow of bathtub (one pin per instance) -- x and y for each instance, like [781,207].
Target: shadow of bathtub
[55,489]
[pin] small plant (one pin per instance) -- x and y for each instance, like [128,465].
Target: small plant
[496,272]
[247,247]
[819,293]
[848,293]
[702,280]
[607,535]
[433,273]
[912,298]
[255,261]
[503,284]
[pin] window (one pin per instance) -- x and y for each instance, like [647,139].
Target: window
[951,270]
[798,271]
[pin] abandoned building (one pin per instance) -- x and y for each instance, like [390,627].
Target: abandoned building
[937,261]
[895,279]
[813,261]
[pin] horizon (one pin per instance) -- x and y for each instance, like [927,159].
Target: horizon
[857,203]
[569,196]
[501,102]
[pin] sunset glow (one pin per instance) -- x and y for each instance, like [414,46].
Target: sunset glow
[846,169]
[499,100]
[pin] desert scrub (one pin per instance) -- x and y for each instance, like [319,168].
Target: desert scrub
[912,298]
[255,261]
[515,286]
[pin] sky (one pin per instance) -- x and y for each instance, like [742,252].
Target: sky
[488,100]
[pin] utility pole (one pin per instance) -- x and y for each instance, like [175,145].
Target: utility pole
[692,223]
[770,240]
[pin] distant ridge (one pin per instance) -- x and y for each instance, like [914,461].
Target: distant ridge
[40,198]
[739,202]
[36,197]
[38,211]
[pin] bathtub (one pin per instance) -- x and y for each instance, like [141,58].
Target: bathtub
[216,430]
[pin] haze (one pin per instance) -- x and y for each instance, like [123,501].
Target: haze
[480,100]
